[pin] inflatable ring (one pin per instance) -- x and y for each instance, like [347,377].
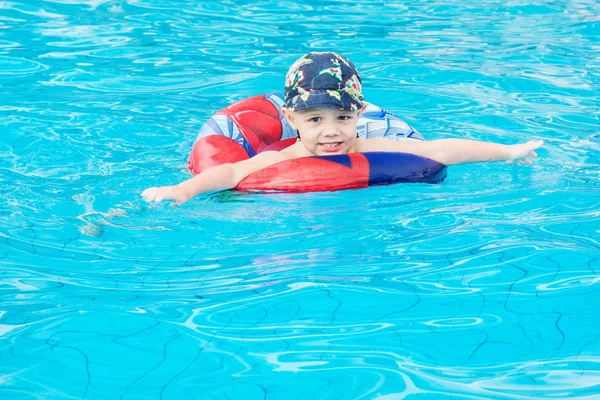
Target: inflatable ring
[256,124]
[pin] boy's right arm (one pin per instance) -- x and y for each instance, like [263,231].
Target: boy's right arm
[456,151]
[221,177]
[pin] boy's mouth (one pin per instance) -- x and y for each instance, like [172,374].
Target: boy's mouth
[331,147]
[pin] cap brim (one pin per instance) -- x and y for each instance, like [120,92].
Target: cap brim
[322,98]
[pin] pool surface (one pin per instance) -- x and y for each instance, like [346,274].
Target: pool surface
[484,286]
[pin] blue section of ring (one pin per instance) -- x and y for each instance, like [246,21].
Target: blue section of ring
[249,149]
[389,168]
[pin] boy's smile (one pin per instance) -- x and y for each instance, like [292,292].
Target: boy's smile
[325,130]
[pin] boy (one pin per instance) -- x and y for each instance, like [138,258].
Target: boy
[323,102]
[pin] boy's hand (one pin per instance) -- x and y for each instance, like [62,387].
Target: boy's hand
[521,152]
[175,193]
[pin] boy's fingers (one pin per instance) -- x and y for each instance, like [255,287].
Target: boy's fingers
[527,161]
[533,154]
[146,194]
[536,144]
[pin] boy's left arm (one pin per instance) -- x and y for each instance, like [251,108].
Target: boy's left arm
[457,151]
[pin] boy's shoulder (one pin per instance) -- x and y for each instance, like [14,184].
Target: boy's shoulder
[372,144]
[386,144]
[296,150]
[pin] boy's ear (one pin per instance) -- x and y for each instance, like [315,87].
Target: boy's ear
[289,116]
[363,108]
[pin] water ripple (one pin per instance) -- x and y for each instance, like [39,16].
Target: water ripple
[11,67]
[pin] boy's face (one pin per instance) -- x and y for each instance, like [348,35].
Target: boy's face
[325,130]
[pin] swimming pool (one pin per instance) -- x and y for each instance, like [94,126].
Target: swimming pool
[485,286]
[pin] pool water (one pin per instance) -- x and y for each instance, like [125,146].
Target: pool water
[484,286]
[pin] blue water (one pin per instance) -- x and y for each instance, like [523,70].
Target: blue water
[485,286]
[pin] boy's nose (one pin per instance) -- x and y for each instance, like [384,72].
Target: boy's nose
[330,129]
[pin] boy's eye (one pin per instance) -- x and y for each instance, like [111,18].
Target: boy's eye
[315,119]
[344,117]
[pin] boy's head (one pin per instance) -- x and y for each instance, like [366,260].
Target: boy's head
[323,80]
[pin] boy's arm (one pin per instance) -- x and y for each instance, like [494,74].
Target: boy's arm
[456,151]
[221,177]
